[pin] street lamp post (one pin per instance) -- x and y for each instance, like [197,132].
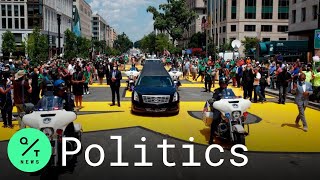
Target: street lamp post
[59,32]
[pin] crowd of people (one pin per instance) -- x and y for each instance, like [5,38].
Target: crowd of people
[250,75]
[23,83]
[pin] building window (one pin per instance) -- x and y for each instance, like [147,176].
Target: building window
[303,14]
[315,12]
[250,9]
[250,28]
[294,15]
[224,10]
[16,23]
[283,10]
[4,23]
[3,10]
[234,9]
[9,23]
[282,28]
[267,9]
[266,28]
[9,10]
[22,23]
[282,39]
[233,28]
[16,10]
[18,38]
[265,39]
[22,11]
[224,29]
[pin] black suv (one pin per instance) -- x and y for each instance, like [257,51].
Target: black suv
[155,91]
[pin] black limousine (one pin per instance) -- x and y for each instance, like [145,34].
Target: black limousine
[155,91]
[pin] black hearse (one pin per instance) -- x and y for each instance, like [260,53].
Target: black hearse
[155,91]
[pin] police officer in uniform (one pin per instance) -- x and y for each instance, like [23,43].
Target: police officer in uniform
[222,91]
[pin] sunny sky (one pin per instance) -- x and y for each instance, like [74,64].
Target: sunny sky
[129,16]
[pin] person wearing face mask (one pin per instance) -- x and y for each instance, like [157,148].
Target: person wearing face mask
[114,78]
[302,91]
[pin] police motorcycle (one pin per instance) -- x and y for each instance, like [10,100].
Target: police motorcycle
[175,75]
[234,114]
[132,74]
[50,117]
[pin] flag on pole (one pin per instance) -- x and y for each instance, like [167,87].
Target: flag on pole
[76,22]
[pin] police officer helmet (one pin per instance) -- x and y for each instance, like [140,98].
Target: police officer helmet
[59,84]
[223,80]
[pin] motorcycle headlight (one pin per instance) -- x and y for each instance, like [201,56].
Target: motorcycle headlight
[48,132]
[236,114]
[135,96]
[175,97]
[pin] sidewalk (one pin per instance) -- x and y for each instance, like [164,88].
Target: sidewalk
[291,97]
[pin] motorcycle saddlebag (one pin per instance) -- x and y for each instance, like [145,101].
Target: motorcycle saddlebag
[207,115]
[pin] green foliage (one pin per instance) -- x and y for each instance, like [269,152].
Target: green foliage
[8,43]
[37,47]
[162,42]
[250,43]
[148,43]
[83,46]
[70,50]
[226,47]
[197,40]
[174,17]
[123,43]
[112,51]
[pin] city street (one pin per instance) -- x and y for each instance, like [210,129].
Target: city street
[274,141]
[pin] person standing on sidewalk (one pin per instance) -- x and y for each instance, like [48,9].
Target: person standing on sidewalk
[284,79]
[257,88]
[247,82]
[115,78]
[302,91]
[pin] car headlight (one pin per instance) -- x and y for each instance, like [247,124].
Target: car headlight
[175,97]
[135,96]
[236,114]
[48,132]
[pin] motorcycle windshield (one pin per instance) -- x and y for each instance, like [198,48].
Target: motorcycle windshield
[49,103]
[228,94]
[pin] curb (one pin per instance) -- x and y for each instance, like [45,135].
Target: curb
[311,104]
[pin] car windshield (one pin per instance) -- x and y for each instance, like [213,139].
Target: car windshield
[155,81]
[49,103]
[228,94]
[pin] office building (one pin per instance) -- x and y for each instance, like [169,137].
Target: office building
[20,17]
[236,19]
[199,7]
[304,21]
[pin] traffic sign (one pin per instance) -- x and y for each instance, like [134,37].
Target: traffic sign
[317,39]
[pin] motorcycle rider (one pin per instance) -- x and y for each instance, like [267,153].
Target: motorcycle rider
[222,91]
[60,90]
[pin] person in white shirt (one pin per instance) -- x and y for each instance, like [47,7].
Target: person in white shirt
[256,86]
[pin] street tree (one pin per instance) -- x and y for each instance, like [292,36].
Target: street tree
[70,49]
[123,43]
[250,43]
[37,46]
[197,40]
[162,43]
[83,46]
[173,17]
[8,43]
[148,43]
